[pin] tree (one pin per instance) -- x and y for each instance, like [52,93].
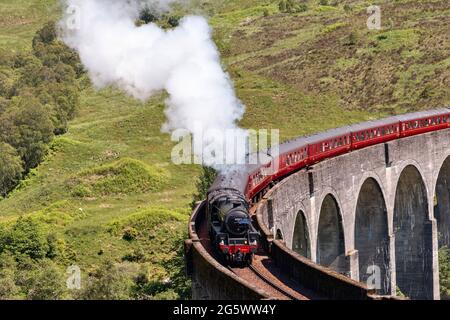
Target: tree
[107,283]
[27,127]
[10,168]
[47,34]
[26,237]
[147,15]
[46,282]
[206,179]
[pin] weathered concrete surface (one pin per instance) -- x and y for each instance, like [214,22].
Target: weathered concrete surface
[324,281]
[405,172]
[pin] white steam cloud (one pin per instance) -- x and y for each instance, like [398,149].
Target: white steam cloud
[144,60]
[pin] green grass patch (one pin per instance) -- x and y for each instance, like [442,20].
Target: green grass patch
[345,63]
[385,41]
[124,176]
[334,26]
[145,220]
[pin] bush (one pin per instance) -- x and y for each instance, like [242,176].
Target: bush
[444,272]
[129,234]
[207,177]
[291,6]
[173,21]
[47,34]
[106,283]
[352,39]
[25,237]
[137,255]
[10,168]
[46,282]
[8,287]
[148,15]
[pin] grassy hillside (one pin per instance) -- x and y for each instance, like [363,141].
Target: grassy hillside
[108,189]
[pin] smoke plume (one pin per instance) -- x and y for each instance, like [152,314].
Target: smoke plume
[144,60]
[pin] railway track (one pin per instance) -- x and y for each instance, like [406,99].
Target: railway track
[253,276]
[267,279]
[269,282]
[262,273]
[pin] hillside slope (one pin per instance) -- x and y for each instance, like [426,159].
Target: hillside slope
[297,72]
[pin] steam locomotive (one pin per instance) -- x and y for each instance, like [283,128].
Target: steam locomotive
[230,226]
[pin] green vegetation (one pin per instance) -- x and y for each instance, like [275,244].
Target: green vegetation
[444,272]
[39,96]
[125,176]
[291,6]
[106,196]
[203,183]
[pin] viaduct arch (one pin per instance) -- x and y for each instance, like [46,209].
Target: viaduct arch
[386,205]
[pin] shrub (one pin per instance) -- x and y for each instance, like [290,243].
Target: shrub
[173,21]
[47,34]
[148,15]
[46,282]
[291,6]
[204,182]
[106,283]
[26,237]
[129,234]
[8,287]
[444,272]
[352,39]
[10,168]
[282,6]
[136,255]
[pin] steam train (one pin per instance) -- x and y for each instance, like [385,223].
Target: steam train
[229,197]
[231,230]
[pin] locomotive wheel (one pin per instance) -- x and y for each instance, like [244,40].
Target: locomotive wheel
[249,260]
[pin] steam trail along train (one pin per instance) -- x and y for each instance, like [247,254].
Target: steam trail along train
[229,197]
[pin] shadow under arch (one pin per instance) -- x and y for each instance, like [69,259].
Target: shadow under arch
[279,235]
[300,239]
[442,204]
[413,236]
[330,237]
[372,236]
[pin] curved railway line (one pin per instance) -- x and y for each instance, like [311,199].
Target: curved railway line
[263,273]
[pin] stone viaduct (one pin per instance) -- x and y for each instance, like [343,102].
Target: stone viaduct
[384,210]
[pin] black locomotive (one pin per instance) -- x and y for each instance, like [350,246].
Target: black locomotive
[230,226]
